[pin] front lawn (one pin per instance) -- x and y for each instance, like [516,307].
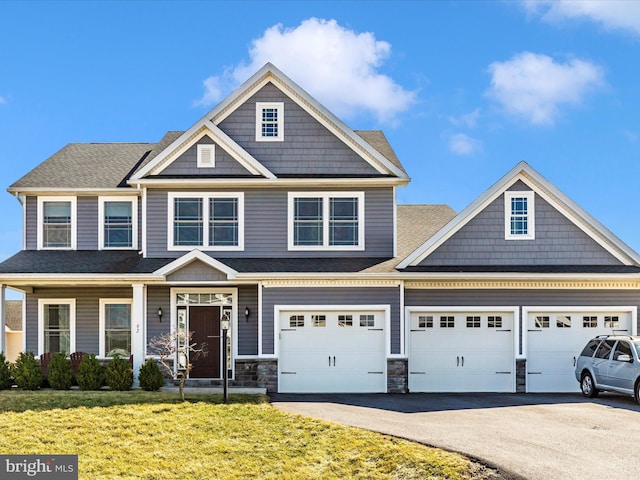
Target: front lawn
[146,435]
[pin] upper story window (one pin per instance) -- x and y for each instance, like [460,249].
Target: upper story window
[269,122]
[206,156]
[57,223]
[211,221]
[118,227]
[519,215]
[326,221]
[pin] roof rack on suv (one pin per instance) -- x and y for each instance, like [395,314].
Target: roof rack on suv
[615,336]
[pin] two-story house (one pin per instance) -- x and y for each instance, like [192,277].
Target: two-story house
[272,212]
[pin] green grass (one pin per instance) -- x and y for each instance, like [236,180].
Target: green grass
[143,435]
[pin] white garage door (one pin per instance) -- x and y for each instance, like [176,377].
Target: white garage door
[461,351]
[332,351]
[555,338]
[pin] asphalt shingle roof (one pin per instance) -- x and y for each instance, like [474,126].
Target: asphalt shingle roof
[13,314]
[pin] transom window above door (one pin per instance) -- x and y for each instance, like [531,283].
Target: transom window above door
[211,221]
[326,221]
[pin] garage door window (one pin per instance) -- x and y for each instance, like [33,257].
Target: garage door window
[447,322]
[542,322]
[319,320]
[345,320]
[494,322]
[611,322]
[425,321]
[589,322]
[563,321]
[296,321]
[473,322]
[367,321]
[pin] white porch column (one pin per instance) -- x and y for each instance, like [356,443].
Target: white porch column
[3,320]
[138,328]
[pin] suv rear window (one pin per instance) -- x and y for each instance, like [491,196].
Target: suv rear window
[590,348]
[605,349]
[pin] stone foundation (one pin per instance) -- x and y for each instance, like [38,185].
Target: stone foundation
[397,375]
[521,375]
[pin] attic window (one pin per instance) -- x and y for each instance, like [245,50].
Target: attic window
[269,122]
[519,216]
[206,156]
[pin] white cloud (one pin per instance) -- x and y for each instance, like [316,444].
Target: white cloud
[534,86]
[463,144]
[611,14]
[336,65]
[469,120]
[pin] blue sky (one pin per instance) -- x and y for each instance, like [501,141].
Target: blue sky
[463,90]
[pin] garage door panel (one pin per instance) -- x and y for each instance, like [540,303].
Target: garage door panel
[556,337]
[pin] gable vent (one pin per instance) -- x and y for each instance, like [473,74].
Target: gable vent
[206,156]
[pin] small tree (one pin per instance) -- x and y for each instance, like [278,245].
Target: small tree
[150,376]
[26,371]
[172,346]
[60,376]
[90,373]
[5,373]
[119,374]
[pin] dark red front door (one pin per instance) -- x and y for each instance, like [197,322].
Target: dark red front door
[204,322]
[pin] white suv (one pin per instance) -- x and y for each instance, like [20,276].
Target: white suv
[610,362]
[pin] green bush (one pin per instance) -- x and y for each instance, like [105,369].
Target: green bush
[60,376]
[26,372]
[150,376]
[5,373]
[90,373]
[119,374]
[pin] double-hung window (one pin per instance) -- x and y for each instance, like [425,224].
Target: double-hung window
[57,223]
[519,215]
[269,121]
[56,319]
[118,222]
[115,327]
[326,221]
[210,221]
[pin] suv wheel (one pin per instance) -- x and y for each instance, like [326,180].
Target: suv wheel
[637,391]
[588,386]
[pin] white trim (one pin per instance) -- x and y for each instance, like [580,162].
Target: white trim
[205,196]
[72,321]
[325,196]
[3,319]
[196,255]
[24,224]
[144,222]
[279,107]
[260,321]
[102,323]
[531,215]
[395,223]
[403,333]
[74,221]
[261,182]
[206,155]
[134,221]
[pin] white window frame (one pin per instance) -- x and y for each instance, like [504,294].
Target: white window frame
[72,321]
[326,196]
[74,224]
[531,224]
[134,220]
[211,163]
[205,196]
[102,320]
[279,106]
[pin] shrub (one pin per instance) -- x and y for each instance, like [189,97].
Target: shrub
[26,371]
[60,376]
[150,376]
[119,374]
[5,373]
[90,373]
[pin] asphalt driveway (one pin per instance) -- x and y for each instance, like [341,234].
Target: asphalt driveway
[532,436]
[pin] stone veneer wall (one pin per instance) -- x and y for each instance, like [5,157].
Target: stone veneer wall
[521,375]
[257,373]
[397,375]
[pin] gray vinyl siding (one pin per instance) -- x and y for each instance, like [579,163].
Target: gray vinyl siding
[248,328]
[186,164]
[158,297]
[87,314]
[308,147]
[557,241]
[197,272]
[329,296]
[265,231]
[87,227]
[31,223]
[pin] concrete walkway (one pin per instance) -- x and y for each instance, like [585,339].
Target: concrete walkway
[534,436]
